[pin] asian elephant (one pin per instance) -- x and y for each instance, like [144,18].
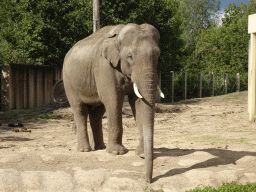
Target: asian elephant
[99,71]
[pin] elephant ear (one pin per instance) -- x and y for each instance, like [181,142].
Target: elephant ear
[110,51]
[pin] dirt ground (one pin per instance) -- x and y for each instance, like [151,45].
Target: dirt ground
[201,142]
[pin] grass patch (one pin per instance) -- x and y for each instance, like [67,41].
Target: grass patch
[229,187]
[47,116]
[11,115]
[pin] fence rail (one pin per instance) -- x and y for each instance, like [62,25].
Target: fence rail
[26,85]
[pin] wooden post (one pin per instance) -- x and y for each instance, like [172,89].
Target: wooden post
[225,83]
[212,84]
[252,67]
[200,85]
[172,87]
[237,82]
[185,85]
[96,15]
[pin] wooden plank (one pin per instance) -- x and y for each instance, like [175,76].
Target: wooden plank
[45,86]
[17,89]
[251,75]
[31,88]
[39,87]
[12,93]
[25,88]
[251,23]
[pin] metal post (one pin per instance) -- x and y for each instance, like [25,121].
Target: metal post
[96,15]
[237,82]
[185,85]
[200,85]
[225,83]
[212,84]
[172,86]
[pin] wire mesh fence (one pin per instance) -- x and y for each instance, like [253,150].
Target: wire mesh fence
[182,85]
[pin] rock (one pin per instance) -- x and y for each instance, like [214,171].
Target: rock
[90,180]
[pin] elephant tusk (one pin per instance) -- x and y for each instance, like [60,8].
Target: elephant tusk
[136,90]
[160,92]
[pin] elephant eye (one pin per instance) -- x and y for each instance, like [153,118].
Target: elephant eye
[130,57]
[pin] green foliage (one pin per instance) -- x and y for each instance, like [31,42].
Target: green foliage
[224,49]
[47,116]
[42,31]
[231,187]
[161,14]
[196,15]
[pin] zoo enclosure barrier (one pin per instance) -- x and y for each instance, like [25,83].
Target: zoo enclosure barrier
[252,68]
[26,85]
[182,85]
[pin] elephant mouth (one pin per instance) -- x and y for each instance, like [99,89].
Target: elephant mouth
[137,92]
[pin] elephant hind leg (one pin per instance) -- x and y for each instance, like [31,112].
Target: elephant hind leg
[95,115]
[80,115]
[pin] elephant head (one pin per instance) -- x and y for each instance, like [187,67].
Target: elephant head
[134,50]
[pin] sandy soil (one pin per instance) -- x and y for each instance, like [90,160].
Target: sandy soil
[200,142]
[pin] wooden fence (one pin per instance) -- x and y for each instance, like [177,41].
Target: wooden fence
[27,86]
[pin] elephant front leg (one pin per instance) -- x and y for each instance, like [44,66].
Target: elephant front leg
[135,104]
[115,127]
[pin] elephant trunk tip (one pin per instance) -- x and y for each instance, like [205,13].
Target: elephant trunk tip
[149,179]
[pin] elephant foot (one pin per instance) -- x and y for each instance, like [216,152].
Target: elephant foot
[100,146]
[83,148]
[140,151]
[116,149]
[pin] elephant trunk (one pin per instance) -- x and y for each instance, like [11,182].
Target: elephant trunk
[148,90]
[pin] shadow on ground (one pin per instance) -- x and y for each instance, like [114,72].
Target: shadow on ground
[223,157]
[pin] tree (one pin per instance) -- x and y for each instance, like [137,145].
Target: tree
[224,49]
[196,15]
[44,30]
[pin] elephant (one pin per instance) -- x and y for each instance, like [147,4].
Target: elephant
[99,71]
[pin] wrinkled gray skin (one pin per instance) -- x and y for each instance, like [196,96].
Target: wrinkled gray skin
[99,71]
